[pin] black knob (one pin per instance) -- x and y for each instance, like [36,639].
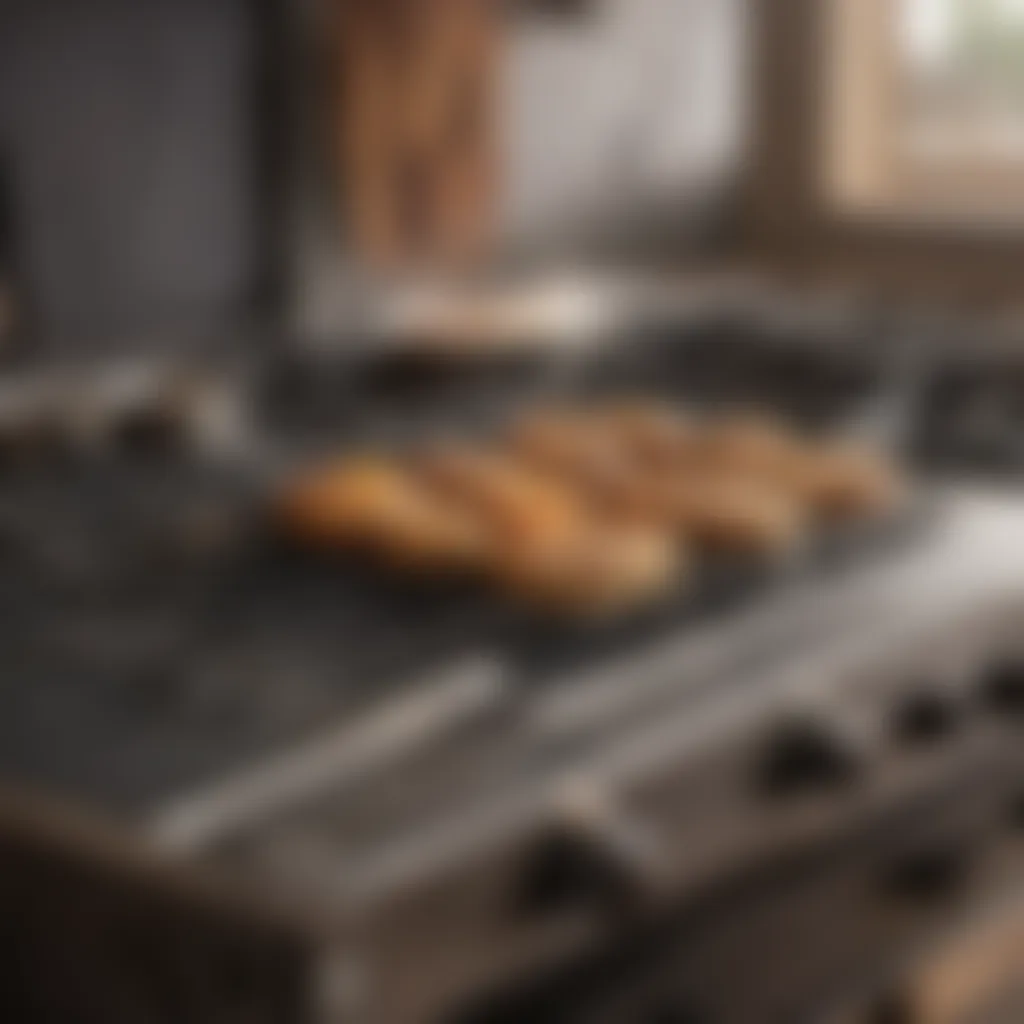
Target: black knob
[149,429]
[1003,687]
[926,717]
[929,873]
[890,1007]
[1015,813]
[806,756]
[601,861]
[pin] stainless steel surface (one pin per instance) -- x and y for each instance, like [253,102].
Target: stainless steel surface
[431,713]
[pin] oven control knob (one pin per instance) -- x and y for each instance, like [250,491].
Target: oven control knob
[934,872]
[925,717]
[593,857]
[1003,688]
[805,756]
[1016,813]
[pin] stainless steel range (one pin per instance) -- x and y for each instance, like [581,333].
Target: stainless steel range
[273,788]
[241,782]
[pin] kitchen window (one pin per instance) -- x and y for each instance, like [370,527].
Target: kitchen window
[924,109]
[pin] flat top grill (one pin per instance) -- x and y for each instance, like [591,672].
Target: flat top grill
[154,639]
[142,658]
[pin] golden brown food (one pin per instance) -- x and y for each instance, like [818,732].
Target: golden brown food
[604,573]
[592,512]
[647,432]
[547,545]
[567,443]
[728,514]
[374,505]
[723,508]
[580,453]
[848,484]
[749,444]
[513,503]
[833,482]
[720,509]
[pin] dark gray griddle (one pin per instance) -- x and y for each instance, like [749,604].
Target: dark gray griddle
[157,636]
[153,635]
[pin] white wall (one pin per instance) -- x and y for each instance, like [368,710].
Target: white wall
[629,109]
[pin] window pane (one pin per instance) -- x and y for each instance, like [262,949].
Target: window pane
[961,79]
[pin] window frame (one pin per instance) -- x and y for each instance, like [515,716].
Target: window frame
[866,171]
[793,222]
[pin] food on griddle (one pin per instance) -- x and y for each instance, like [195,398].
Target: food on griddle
[548,546]
[571,450]
[634,466]
[460,509]
[724,509]
[374,505]
[728,514]
[592,511]
[758,446]
[657,436]
[601,574]
[516,505]
[836,483]
[854,484]
[565,442]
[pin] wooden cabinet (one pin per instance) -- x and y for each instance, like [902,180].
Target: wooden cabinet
[415,127]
